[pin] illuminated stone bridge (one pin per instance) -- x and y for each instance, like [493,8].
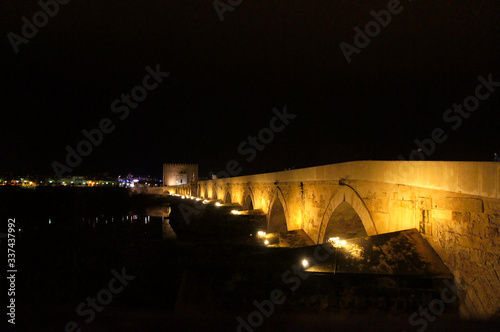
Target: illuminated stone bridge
[454,205]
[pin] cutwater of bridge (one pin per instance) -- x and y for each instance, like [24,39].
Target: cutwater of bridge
[454,205]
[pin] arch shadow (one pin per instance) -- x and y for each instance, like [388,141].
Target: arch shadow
[278,213]
[227,198]
[214,192]
[347,195]
[248,199]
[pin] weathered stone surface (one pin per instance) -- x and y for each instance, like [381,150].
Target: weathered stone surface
[491,206]
[462,204]
[442,214]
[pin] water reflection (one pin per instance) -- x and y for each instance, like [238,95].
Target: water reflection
[96,215]
[168,231]
[159,211]
[136,225]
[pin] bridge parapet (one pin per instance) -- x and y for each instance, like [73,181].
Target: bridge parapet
[473,178]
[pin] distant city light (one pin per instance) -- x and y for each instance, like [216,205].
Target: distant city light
[218,204]
[261,233]
[235,212]
[305,263]
[266,242]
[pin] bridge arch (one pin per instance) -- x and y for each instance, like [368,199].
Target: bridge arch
[214,192]
[227,198]
[277,216]
[248,200]
[346,203]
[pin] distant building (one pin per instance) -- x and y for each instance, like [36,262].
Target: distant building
[178,174]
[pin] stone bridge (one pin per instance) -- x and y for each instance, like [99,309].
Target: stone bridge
[454,205]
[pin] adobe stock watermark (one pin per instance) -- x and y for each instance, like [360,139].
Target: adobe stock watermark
[103,298]
[453,116]
[120,106]
[372,29]
[436,307]
[294,276]
[29,30]
[221,7]
[254,144]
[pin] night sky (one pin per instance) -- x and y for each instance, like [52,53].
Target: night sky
[227,76]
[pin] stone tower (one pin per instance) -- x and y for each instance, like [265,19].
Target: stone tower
[178,174]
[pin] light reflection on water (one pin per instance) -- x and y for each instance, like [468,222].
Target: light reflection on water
[152,226]
[168,231]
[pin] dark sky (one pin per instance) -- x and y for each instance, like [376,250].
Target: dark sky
[226,77]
